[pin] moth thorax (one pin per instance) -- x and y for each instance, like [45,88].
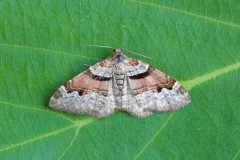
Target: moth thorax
[119,58]
[119,67]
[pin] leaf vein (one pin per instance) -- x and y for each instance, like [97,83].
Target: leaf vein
[37,138]
[201,79]
[47,50]
[36,109]
[79,124]
[236,155]
[71,143]
[149,142]
[188,13]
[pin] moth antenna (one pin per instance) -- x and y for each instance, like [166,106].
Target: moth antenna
[138,54]
[99,46]
[87,65]
[93,45]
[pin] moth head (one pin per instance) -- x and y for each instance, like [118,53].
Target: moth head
[117,51]
[118,54]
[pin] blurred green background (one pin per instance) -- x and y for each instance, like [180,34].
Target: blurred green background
[42,45]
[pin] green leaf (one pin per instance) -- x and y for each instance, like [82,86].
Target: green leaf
[42,45]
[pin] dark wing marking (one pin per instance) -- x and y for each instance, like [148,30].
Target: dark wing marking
[152,80]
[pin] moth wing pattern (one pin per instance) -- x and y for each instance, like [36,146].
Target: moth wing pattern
[90,92]
[123,83]
[152,91]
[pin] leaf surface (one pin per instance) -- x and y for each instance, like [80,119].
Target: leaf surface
[43,44]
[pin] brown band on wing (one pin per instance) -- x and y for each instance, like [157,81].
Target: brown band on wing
[152,80]
[99,78]
[86,82]
[106,64]
[132,62]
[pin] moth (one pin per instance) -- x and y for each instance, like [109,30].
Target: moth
[120,83]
